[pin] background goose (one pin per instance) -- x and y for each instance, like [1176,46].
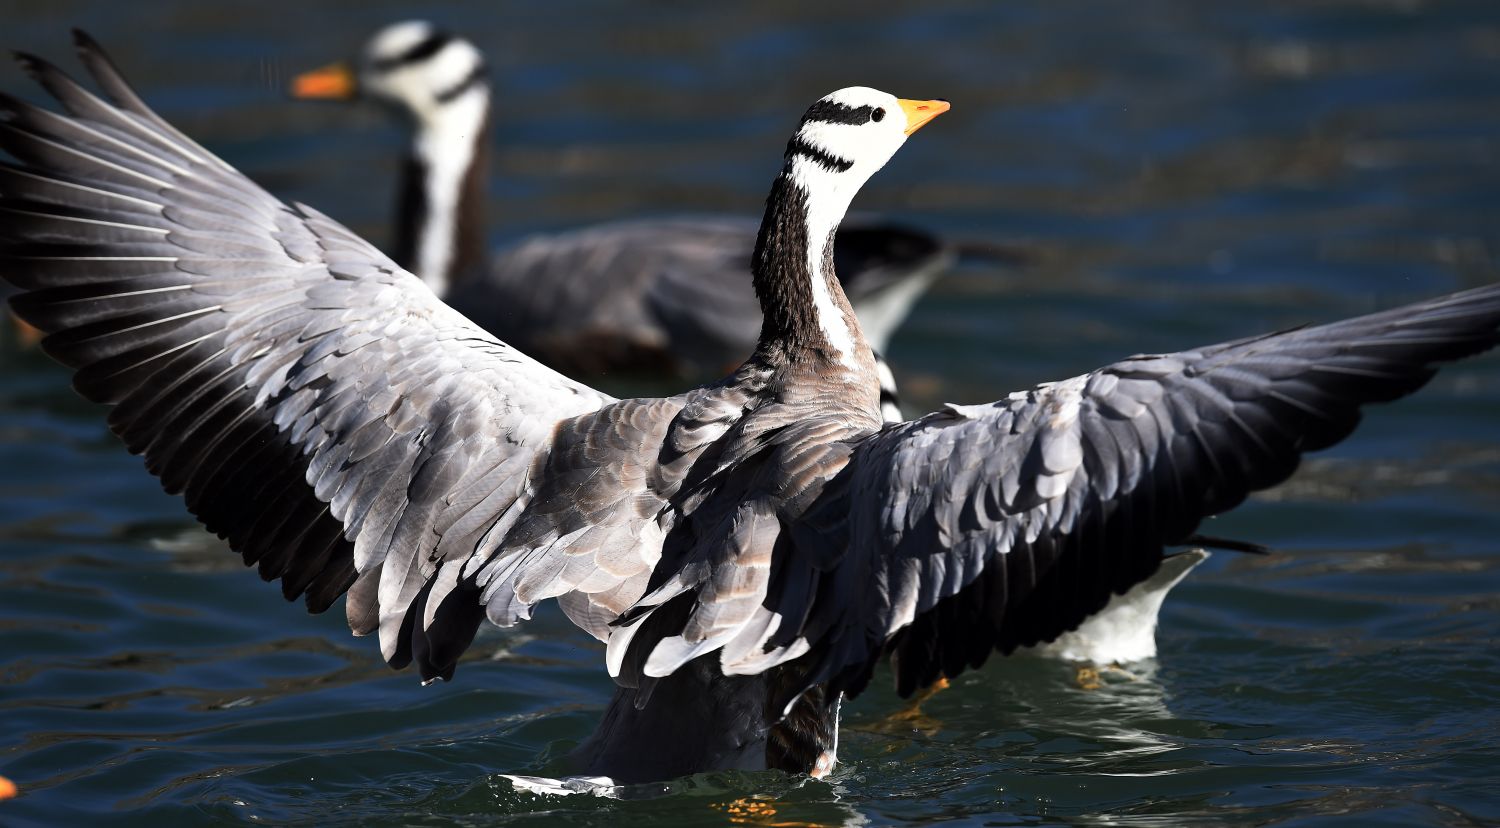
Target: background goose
[747,550]
[657,296]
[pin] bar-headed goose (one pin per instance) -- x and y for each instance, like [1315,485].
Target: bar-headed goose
[653,295]
[661,294]
[746,550]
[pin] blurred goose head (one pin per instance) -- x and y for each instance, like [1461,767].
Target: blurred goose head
[439,83]
[425,73]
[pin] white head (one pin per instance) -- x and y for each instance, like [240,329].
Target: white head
[431,76]
[842,140]
[847,136]
[422,70]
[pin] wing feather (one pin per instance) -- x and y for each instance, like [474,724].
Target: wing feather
[315,404]
[987,528]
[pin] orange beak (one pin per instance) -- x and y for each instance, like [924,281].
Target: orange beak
[332,82]
[920,112]
[7,788]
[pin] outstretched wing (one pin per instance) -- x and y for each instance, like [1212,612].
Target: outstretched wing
[315,404]
[995,526]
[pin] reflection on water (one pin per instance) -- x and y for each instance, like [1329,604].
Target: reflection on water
[1187,172]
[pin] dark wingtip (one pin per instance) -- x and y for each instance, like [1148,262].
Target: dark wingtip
[29,63]
[83,41]
[92,54]
[40,70]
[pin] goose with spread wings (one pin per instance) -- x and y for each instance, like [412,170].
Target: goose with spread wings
[664,296]
[747,550]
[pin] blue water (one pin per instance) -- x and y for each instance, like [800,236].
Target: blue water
[1184,172]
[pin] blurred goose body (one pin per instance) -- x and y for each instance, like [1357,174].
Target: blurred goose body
[747,550]
[655,296]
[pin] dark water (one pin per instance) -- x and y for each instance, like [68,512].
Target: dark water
[1186,171]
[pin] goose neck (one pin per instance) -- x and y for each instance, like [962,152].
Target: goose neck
[806,315]
[440,216]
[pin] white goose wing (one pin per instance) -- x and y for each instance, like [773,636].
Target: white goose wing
[315,404]
[995,526]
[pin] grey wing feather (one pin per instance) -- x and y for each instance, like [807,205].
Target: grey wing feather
[730,549]
[315,404]
[995,526]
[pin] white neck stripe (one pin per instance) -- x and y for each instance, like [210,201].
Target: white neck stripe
[444,145]
[826,204]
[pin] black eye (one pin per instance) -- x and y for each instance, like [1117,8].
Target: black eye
[878,115]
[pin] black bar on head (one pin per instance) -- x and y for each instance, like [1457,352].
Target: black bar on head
[421,50]
[832,112]
[800,146]
[473,79]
